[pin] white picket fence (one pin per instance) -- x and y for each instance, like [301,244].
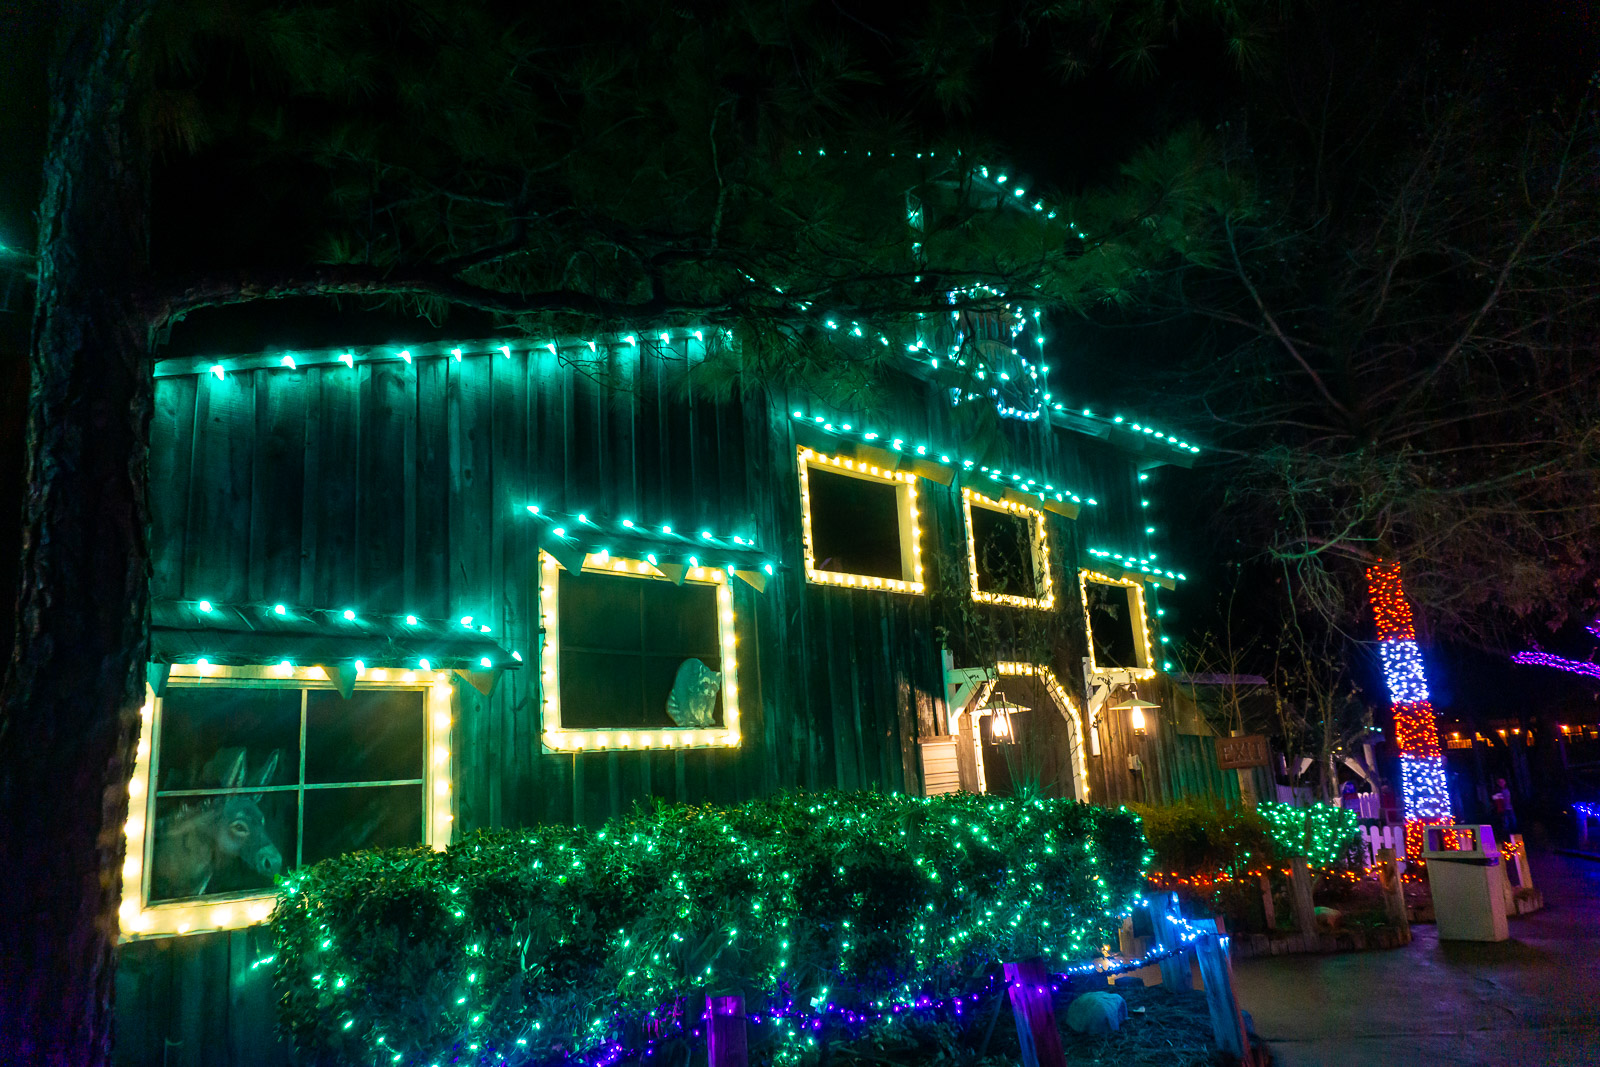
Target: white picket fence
[1372,838]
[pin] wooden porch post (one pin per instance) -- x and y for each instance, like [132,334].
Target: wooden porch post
[1227,1025]
[726,1041]
[1394,897]
[1028,984]
[1175,973]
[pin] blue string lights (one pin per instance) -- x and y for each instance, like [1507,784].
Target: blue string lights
[1402,671]
[211,633]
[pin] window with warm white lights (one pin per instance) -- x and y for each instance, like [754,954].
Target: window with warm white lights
[1007,553]
[633,659]
[1118,631]
[624,644]
[860,524]
[244,777]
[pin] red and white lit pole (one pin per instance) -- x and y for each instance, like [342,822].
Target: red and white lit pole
[1423,791]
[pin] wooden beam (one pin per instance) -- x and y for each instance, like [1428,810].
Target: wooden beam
[1227,1025]
[726,1041]
[1028,986]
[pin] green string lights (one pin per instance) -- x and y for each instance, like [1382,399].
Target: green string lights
[1029,378]
[559,942]
[578,536]
[1322,833]
[1143,564]
[895,451]
[209,633]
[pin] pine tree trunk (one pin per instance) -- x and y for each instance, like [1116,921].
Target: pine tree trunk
[69,708]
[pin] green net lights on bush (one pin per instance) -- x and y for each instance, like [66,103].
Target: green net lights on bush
[1321,833]
[562,942]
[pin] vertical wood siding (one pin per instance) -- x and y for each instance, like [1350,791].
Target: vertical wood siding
[395,488]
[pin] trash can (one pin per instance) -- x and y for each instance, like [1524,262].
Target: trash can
[1465,876]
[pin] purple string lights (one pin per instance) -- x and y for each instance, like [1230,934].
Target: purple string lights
[1560,663]
[610,1052]
[1586,668]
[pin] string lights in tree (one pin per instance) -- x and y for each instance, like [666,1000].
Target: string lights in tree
[1560,663]
[1587,668]
[1423,789]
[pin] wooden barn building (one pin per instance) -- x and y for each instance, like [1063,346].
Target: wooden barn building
[402,594]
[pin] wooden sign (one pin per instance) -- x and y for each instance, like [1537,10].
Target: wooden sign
[1248,751]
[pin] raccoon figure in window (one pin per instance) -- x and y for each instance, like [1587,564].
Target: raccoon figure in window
[693,700]
[225,835]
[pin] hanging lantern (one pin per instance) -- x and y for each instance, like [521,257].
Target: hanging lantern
[1002,731]
[1135,709]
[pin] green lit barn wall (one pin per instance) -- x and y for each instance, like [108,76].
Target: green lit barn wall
[391,487]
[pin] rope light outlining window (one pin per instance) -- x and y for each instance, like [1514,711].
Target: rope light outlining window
[556,735]
[1034,556]
[908,532]
[141,918]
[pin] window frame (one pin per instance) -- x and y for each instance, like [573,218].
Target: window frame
[139,919]
[1038,544]
[905,486]
[1143,645]
[553,738]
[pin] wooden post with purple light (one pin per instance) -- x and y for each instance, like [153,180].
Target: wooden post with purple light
[726,1041]
[1028,984]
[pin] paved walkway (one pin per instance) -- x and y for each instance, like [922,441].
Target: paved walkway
[1528,1002]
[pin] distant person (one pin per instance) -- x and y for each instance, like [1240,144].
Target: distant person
[1347,796]
[1505,816]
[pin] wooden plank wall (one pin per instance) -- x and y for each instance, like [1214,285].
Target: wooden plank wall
[188,1001]
[1176,765]
[395,488]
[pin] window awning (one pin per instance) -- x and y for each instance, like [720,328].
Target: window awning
[186,631]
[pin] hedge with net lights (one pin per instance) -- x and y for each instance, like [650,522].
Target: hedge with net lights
[1323,833]
[559,942]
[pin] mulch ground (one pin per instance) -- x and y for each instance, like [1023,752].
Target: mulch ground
[1163,1028]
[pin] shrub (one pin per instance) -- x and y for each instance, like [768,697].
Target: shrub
[548,943]
[1211,855]
[1193,839]
[1322,833]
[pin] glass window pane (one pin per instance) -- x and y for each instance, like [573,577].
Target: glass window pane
[228,843]
[1002,544]
[680,620]
[1113,625]
[374,736]
[855,525]
[600,690]
[340,820]
[599,611]
[218,737]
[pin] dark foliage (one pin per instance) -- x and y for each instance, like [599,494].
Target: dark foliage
[547,943]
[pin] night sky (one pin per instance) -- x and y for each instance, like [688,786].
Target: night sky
[1055,136]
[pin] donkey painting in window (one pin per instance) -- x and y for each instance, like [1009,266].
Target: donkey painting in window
[225,835]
